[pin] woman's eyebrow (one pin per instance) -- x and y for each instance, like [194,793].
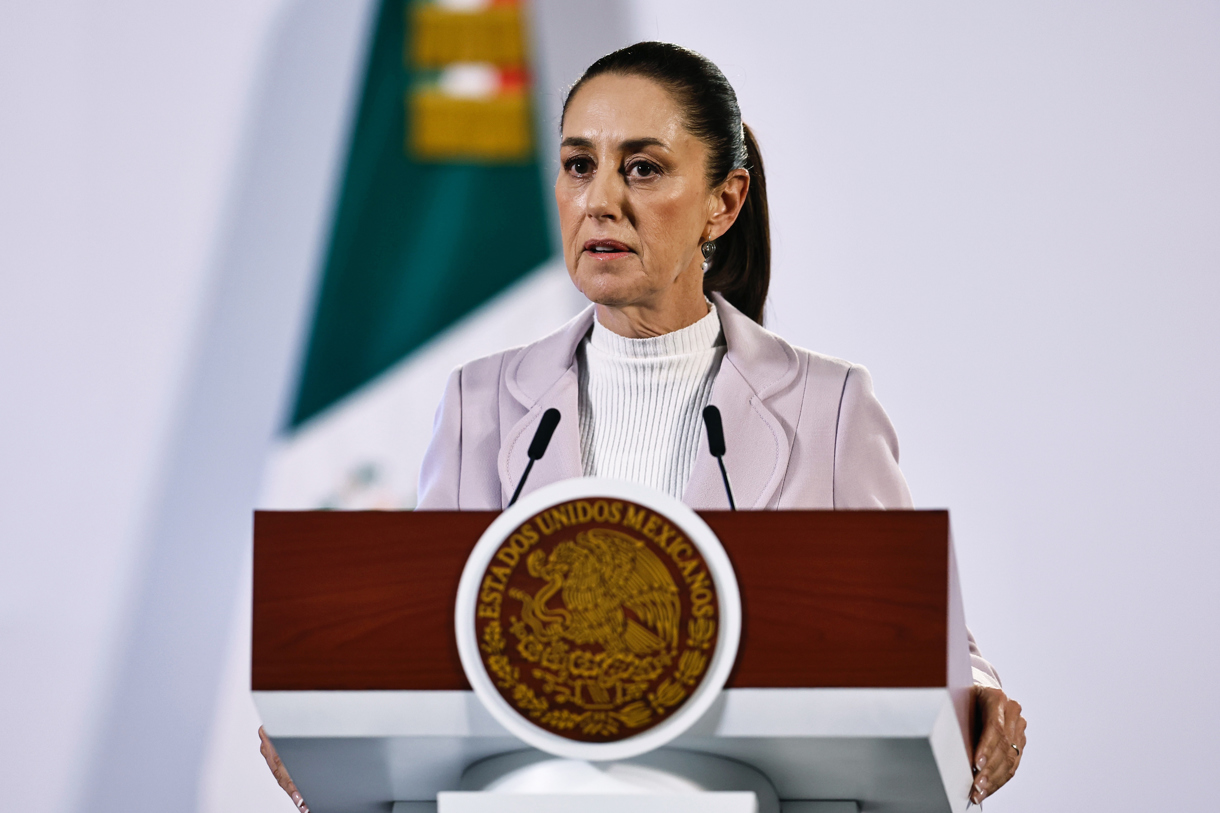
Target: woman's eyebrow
[637,144]
[631,145]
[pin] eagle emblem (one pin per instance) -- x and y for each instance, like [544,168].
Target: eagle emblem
[616,595]
[596,621]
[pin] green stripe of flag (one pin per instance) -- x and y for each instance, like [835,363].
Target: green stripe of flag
[414,246]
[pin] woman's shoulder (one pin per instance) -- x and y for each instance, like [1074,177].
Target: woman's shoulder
[772,356]
[823,363]
[534,365]
[837,378]
[490,365]
[836,373]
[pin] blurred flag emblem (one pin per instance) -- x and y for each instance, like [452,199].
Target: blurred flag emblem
[449,33]
[471,101]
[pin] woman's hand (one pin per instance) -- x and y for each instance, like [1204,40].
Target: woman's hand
[1000,741]
[280,772]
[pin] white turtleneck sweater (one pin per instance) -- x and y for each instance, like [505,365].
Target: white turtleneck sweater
[642,400]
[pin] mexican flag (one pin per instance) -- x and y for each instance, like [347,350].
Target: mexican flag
[440,251]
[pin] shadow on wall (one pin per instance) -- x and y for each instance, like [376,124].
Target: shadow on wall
[151,736]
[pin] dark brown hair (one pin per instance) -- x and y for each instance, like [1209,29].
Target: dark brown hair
[741,267]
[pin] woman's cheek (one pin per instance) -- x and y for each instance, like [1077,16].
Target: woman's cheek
[567,201]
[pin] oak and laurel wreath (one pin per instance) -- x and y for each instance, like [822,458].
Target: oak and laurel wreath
[671,691]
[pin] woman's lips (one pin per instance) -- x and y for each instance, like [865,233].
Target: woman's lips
[606,249]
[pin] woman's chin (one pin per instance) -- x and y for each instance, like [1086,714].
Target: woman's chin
[611,287]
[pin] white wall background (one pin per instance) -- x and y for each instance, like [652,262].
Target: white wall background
[119,128]
[160,215]
[1008,211]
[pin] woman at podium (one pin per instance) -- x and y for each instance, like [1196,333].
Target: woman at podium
[664,225]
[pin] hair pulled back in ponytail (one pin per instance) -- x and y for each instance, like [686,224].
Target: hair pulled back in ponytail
[740,269]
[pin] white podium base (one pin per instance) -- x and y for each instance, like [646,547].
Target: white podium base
[662,781]
[785,807]
[707,802]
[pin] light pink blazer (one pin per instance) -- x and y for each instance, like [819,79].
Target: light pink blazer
[802,430]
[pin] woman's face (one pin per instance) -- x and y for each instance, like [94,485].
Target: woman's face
[634,203]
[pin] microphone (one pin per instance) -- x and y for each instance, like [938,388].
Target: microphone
[542,438]
[715,445]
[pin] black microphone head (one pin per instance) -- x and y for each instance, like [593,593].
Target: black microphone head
[542,437]
[715,431]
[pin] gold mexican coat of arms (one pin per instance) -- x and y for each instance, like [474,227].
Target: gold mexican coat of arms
[597,619]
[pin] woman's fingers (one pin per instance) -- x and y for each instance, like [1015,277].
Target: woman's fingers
[995,757]
[273,759]
[267,749]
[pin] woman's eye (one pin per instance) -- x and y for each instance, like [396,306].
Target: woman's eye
[580,166]
[642,169]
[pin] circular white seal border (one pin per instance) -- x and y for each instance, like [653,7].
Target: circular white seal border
[696,530]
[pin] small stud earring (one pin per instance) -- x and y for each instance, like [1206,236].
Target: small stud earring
[708,248]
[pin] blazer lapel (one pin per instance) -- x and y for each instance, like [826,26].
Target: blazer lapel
[757,364]
[562,459]
[543,376]
[756,449]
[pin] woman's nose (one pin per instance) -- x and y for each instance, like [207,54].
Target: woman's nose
[605,196]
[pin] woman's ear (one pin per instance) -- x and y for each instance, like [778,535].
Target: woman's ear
[727,200]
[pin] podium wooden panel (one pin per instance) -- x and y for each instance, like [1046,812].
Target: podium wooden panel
[364,600]
[849,616]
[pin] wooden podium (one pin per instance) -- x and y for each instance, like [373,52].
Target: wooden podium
[850,690]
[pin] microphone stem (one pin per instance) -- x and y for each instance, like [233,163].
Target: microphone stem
[526,473]
[727,489]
